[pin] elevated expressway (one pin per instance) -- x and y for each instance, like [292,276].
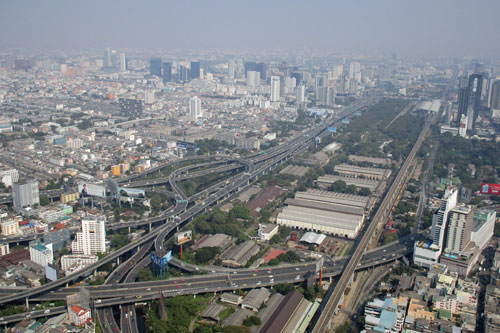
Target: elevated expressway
[257,166]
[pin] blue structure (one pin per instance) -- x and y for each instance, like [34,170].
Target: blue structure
[159,263]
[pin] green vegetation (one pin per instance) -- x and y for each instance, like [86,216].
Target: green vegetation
[181,310]
[484,155]
[342,187]
[283,288]
[252,321]
[289,256]
[232,223]
[226,313]
[11,310]
[44,201]
[389,237]
[205,254]
[118,241]
[210,146]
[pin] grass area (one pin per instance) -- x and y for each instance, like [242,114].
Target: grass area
[226,313]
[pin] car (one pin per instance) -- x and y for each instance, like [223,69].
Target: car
[98,301]
[296,268]
[175,282]
[179,287]
[149,289]
[272,280]
[46,311]
[271,276]
[182,280]
[244,284]
[297,277]
[254,274]
[235,272]
[259,283]
[256,271]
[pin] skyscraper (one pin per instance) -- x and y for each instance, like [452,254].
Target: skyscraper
[25,194]
[167,72]
[459,228]
[469,98]
[92,238]
[495,95]
[195,107]
[463,98]
[300,94]
[275,88]
[253,79]
[475,89]
[230,69]
[155,67]
[195,69]
[123,62]
[440,218]
[184,74]
[107,57]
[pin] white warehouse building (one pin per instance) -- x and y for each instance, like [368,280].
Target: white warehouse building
[322,217]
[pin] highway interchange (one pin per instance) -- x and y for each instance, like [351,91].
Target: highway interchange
[130,292]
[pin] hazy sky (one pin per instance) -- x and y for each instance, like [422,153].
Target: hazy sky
[423,27]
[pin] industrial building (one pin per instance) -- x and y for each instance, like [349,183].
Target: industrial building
[356,171]
[238,256]
[319,215]
[374,186]
[372,160]
[342,199]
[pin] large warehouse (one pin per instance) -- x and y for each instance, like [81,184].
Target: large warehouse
[356,171]
[321,216]
[328,180]
[342,199]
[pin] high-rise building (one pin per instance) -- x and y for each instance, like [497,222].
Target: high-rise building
[107,57]
[440,218]
[92,238]
[195,107]
[8,177]
[25,194]
[167,72]
[495,95]
[155,66]
[469,98]
[275,88]
[475,89]
[230,69]
[253,79]
[462,128]
[326,96]
[184,74]
[131,106]
[459,228]
[300,92]
[463,98]
[41,254]
[195,69]
[123,62]
[257,67]
[354,69]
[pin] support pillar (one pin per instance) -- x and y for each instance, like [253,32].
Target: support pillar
[129,230]
[149,227]
[118,261]
[27,304]
[181,251]
[320,276]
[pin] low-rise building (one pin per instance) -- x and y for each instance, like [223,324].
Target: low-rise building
[79,316]
[267,231]
[239,255]
[255,298]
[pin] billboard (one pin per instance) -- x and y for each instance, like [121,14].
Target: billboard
[332,129]
[112,185]
[167,257]
[183,237]
[345,120]
[131,192]
[490,188]
[92,190]
[186,145]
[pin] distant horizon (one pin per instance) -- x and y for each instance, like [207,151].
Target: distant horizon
[447,28]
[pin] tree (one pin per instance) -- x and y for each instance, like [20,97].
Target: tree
[252,321]
[44,201]
[364,192]
[275,239]
[206,254]
[285,231]
[118,241]
[284,288]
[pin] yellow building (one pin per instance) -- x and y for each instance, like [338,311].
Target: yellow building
[417,309]
[10,227]
[69,197]
[115,170]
